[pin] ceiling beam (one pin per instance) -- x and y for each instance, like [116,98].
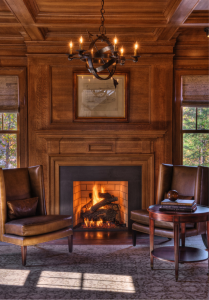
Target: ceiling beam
[22,14]
[181,12]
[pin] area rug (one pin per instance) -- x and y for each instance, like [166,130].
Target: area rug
[98,272]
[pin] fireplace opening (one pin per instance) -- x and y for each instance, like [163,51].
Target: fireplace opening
[100,205]
[75,179]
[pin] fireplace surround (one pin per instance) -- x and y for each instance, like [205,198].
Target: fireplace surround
[97,148]
[70,174]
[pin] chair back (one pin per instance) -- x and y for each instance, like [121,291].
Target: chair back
[19,184]
[183,179]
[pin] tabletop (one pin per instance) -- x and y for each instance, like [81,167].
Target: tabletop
[200,215]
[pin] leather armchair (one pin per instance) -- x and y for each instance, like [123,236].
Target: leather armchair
[25,183]
[188,181]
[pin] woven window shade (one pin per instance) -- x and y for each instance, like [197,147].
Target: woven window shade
[195,88]
[9,94]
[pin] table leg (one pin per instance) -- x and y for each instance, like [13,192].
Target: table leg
[208,244]
[176,248]
[183,231]
[151,237]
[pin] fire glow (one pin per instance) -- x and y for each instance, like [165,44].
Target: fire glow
[99,223]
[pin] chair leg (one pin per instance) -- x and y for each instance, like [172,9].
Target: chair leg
[24,253]
[70,243]
[134,237]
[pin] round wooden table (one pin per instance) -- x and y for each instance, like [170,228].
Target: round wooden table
[178,254]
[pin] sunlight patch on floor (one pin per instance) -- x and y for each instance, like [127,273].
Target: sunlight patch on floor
[86,281]
[13,277]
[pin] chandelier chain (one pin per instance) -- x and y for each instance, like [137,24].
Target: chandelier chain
[102,28]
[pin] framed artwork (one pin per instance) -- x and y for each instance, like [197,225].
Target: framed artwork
[98,100]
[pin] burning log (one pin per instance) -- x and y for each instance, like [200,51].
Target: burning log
[103,203]
[104,209]
[86,207]
[104,214]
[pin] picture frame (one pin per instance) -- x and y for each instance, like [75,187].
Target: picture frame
[98,100]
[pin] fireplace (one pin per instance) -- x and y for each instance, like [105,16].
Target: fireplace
[100,204]
[121,182]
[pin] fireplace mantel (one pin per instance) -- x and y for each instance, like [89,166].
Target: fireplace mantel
[97,148]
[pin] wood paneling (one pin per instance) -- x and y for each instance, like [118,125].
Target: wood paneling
[140,91]
[61,93]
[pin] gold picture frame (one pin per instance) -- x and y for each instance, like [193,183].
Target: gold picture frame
[98,100]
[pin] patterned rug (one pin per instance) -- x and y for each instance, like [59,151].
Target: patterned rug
[98,272]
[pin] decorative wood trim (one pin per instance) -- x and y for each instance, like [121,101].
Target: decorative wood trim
[144,160]
[177,15]
[26,18]
[148,134]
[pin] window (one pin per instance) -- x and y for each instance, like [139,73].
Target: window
[8,140]
[9,127]
[195,120]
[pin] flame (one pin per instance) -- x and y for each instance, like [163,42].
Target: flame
[95,194]
[93,224]
[97,224]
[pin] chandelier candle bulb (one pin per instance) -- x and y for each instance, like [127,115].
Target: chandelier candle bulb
[92,52]
[81,43]
[121,51]
[115,44]
[135,49]
[71,47]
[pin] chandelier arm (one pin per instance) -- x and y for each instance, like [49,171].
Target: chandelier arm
[103,50]
[106,65]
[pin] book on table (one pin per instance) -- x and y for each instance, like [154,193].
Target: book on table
[178,202]
[178,205]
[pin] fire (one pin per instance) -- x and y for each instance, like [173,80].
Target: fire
[95,194]
[93,224]
[97,224]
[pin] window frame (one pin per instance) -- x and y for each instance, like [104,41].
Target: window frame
[22,147]
[178,131]
[17,132]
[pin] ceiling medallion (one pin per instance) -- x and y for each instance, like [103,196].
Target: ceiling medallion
[99,60]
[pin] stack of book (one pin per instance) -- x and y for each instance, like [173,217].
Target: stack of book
[178,205]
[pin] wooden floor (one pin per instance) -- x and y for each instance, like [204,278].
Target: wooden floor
[107,238]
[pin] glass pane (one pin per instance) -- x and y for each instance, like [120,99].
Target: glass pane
[10,121]
[189,118]
[0,121]
[8,150]
[196,149]
[203,118]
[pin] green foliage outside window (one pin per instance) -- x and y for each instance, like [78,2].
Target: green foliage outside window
[196,145]
[8,140]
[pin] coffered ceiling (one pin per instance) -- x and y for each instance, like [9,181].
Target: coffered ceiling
[22,21]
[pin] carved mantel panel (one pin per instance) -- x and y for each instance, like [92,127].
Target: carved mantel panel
[94,148]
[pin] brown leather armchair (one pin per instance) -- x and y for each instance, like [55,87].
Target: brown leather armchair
[25,183]
[188,181]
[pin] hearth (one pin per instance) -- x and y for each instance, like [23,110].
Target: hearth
[100,204]
[76,189]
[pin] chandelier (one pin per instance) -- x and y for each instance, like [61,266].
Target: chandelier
[105,59]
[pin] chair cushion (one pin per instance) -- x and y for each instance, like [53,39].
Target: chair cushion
[18,209]
[142,217]
[37,225]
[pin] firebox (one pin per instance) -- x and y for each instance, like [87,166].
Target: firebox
[76,188]
[100,204]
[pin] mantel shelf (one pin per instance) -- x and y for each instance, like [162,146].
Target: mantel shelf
[110,134]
